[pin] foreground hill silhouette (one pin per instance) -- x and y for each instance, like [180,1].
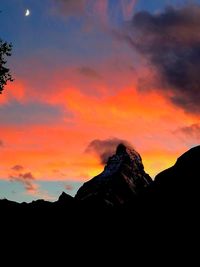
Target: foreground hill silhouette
[125,187]
[122,210]
[182,180]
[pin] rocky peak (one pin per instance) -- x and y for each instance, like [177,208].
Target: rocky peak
[122,179]
[124,155]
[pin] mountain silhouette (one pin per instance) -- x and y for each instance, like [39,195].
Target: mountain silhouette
[124,183]
[177,188]
[181,179]
[122,180]
[120,210]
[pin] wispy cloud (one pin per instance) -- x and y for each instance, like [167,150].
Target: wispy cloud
[191,132]
[103,11]
[104,148]
[128,7]
[28,181]
[18,113]
[18,168]
[89,72]
[68,187]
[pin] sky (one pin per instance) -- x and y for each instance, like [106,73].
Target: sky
[89,74]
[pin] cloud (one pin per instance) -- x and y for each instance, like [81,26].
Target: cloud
[1,143]
[128,7]
[69,187]
[17,168]
[192,131]
[101,11]
[16,113]
[27,179]
[89,72]
[71,7]
[170,41]
[27,176]
[104,148]
[59,173]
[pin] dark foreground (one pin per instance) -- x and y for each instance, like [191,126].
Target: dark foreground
[122,209]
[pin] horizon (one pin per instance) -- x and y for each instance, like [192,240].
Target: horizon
[88,76]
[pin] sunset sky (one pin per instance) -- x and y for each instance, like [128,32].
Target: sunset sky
[88,74]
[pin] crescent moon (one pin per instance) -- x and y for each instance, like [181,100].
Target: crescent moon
[27,13]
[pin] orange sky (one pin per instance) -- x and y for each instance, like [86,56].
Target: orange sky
[57,151]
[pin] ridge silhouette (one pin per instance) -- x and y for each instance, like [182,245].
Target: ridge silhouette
[156,218]
[125,188]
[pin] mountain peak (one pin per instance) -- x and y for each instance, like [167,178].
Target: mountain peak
[126,150]
[125,155]
[121,148]
[121,180]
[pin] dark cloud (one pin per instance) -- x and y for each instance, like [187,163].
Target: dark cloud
[192,131]
[30,113]
[27,179]
[1,143]
[171,42]
[105,148]
[17,168]
[89,72]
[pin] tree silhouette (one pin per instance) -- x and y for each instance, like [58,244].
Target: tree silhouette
[5,76]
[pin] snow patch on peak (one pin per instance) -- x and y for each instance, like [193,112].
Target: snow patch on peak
[124,154]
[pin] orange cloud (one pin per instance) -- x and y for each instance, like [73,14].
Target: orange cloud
[145,120]
[15,90]
[108,106]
